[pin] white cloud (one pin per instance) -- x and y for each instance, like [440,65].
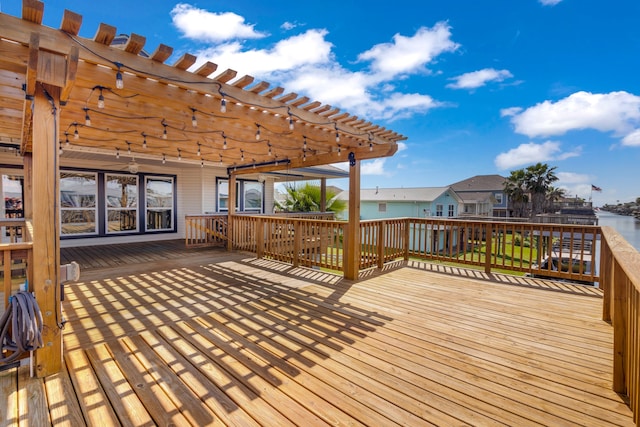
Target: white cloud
[476,79]
[410,54]
[402,146]
[617,112]
[203,25]
[531,153]
[373,167]
[566,178]
[307,48]
[632,139]
[510,112]
[549,2]
[288,26]
[305,63]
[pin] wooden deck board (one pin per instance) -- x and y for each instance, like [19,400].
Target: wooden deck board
[215,338]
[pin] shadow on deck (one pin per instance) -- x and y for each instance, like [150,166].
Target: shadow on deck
[210,337]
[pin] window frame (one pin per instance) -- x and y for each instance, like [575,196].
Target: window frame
[171,208]
[95,209]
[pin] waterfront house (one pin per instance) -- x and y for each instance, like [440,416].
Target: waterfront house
[418,202]
[482,196]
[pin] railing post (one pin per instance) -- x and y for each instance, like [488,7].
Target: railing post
[619,322]
[382,228]
[297,242]
[488,249]
[259,238]
[407,236]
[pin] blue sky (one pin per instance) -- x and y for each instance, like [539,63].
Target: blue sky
[478,87]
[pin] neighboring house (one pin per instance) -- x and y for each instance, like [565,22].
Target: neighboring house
[376,203]
[482,195]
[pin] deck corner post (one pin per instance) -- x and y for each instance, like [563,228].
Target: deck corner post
[260,238]
[407,237]
[352,245]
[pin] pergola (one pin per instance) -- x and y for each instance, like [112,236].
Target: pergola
[60,92]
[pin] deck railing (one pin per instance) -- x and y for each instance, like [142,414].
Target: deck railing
[545,250]
[16,258]
[620,267]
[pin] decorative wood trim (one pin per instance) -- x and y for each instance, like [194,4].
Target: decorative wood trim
[162,53]
[105,34]
[71,22]
[186,61]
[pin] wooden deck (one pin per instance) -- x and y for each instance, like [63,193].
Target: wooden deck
[206,337]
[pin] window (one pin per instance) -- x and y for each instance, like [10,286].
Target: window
[439,209]
[122,203]
[78,207]
[498,197]
[382,207]
[452,210]
[249,196]
[159,203]
[223,195]
[252,196]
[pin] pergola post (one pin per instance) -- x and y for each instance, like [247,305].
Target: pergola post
[352,244]
[231,203]
[46,232]
[323,194]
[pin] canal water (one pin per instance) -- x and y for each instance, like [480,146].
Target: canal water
[627,226]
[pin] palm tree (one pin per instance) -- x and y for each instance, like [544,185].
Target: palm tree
[538,180]
[307,199]
[516,190]
[554,194]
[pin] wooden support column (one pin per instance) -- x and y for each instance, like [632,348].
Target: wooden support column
[27,186]
[323,194]
[232,210]
[352,245]
[46,231]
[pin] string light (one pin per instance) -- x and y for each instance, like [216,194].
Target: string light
[220,159]
[304,144]
[242,155]
[304,155]
[337,134]
[101,100]
[119,81]
[269,145]
[224,142]
[371,146]
[117,153]
[76,135]
[179,154]
[339,150]
[290,121]
[87,119]
[223,105]
[194,121]
[66,139]
[164,132]
[128,148]
[199,153]
[60,150]
[164,159]
[144,140]
[201,163]
[258,132]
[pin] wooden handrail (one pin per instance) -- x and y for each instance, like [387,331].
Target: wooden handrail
[620,267]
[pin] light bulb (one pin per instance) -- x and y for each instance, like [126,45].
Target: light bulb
[164,159]
[339,151]
[202,163]
[224,144]
[304,156]
[304,145]
[242,155]
[144,141]
[194,121]
[290,122]
[370,146]
[199,153]
[76,135]
[119,81]
[101,100]
[223,105]
[337,137]
[164,133]
[66,139]
[258,133]
[179,155]
[87,119]
[117,153]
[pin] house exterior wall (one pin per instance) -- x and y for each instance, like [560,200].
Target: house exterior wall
[195,193]
[370,209]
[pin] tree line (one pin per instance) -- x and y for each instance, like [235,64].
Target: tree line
[531,191]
